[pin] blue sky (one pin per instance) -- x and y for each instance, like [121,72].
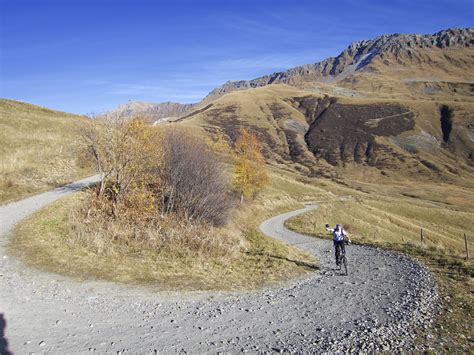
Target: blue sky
[87,56]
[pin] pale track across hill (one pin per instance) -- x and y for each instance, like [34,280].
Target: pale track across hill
[376,307]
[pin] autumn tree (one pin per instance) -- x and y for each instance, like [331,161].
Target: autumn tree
[250,174]
[127,153]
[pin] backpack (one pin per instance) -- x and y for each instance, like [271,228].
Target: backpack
[338,237]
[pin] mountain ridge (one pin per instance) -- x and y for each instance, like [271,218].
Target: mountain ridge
[358,53]
[150,112]
[367,65]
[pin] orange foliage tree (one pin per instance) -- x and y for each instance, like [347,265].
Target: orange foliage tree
[126,154]
[250,173]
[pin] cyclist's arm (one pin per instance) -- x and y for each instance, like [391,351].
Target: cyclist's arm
[347,236]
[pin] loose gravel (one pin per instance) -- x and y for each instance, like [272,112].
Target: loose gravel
[377,307]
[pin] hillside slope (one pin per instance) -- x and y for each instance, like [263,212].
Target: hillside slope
[38,149]
[397,106]
[320,133]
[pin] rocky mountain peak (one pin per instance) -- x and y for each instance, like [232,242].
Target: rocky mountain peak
[149,111]
[355,57]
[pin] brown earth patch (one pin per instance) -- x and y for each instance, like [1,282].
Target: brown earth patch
[347,133]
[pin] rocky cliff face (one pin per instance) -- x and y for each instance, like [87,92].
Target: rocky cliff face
[356,57]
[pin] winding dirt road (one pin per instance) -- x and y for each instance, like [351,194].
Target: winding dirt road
[376,307]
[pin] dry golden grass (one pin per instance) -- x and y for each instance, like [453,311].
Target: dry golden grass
[394,218]
[264,111]
[38,149]
[92,226]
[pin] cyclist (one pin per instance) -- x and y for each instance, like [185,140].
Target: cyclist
[339,234]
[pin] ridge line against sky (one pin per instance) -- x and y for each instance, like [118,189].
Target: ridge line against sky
[86,56]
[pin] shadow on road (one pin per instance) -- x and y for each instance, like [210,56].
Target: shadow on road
[297,262]
[3,340]
[74,187]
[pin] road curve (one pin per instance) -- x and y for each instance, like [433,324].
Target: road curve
[374,308]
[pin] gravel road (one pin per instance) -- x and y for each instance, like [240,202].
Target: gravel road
[376,307]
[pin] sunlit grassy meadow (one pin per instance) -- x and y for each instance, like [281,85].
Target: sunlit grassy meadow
[38,149]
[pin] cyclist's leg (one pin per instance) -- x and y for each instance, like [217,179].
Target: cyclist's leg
[337,247]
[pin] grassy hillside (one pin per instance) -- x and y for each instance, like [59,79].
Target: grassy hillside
[392,138]
[265,110]
[38,149]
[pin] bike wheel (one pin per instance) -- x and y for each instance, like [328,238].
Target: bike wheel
[344,262]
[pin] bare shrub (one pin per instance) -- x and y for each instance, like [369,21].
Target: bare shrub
[193,182]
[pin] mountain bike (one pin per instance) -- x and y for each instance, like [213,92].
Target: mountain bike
[341,257]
